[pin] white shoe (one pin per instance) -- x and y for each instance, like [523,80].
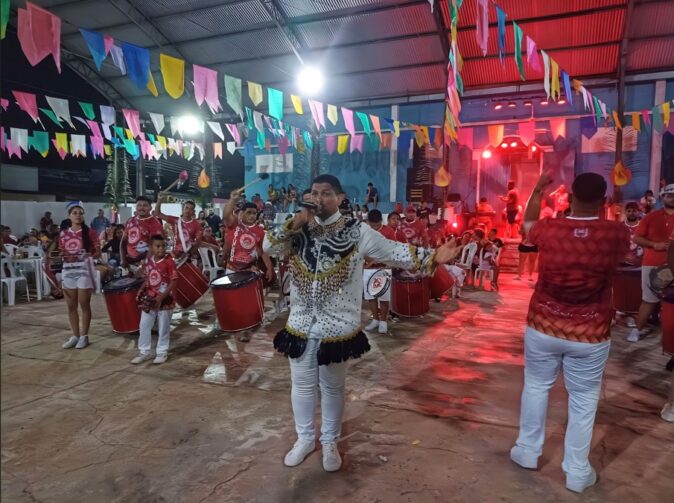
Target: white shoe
[71,343]
[630,323]
[160,358]
[634,335]
[372,326]
[332,461]
[299,452]
[668,412]
[525,460]
[578,485]
[383,327]
[83,342]
[142,357]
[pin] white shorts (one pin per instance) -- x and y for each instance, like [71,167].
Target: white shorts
[367,274]
[647,295]
[77,275]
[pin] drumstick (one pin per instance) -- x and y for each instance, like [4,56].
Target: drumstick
[263,176]
[182,178]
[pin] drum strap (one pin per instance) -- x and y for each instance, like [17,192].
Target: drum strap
[181,234]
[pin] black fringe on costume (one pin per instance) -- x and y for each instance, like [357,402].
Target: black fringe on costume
[329,352]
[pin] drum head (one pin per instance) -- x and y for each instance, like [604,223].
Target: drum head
[379,283]
[234,280]
[408,276]
[182,260]
[285,284]
[662,283]
[122,285]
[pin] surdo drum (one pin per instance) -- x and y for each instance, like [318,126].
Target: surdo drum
[410,295]
[238,301]
[120,299]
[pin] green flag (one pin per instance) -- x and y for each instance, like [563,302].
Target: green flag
[597,109]
[249,117]
[52,116]
[518,49]
[260,139]
[656,119]
[365,121]
[308,141]
[39,140]
[4,17]
[275,98]
[88,110]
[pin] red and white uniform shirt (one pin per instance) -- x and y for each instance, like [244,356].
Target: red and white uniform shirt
[191,233]
[389,233]
[246,241]
[138,232]
[635,255]
[72,244]
[413,232]
[159,274]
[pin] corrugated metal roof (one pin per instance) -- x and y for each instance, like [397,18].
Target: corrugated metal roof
[650,19]
[299,8]
[651,54]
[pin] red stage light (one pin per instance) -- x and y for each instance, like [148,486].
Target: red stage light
[498,106]
[513,144]
[533,148]
[486,154]
[455,225]
[504,145]
[512,104]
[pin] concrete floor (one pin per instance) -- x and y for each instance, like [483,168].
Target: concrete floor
[431,414]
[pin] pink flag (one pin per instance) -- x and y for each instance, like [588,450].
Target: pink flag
[533,58]
[12,150]
[27,102]
[206,87]
[348,120]
[234,131]
[646,116]
[527,131]
[375,123]
[95,129]
[2,138]
[283,144]
[357,142]
[132,120]
[39,33]
[331,144]
[317,113]
[107,43]
[4,103]
[465,137]
[97,146]
[558,128]
[217,150]
[482,25]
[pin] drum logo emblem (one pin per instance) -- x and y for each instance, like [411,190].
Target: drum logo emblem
[134,235]
[154,278]
[247,242]
[72,245]
[377,283]
[408,231]
[581,233]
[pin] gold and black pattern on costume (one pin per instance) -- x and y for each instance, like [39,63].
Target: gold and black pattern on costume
[292,344]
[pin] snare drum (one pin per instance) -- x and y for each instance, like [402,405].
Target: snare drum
[120,299]
[410,295]
[440,282]
[238,301]
[191,285]
[377,284]
[627,289]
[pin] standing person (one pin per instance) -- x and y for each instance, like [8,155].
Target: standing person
[654,234]
[138,231]
[378,305]
[46,221]
[635,254]
[569,322]
[79,246]
[324,327]
[561,198]
[272,195]
[186,229]
[393,223]
[372,195]
[413,229]
[156,299]
[528,253]
[268,213]
[213,221]
[100,222]
[648,202]
[512,207]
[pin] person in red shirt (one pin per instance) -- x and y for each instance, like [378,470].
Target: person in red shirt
[378,305]
[413,229]
[635,254]
[156,299]
[138,231]
[569,322]
[512,208]
[186,229]
[654,234]
[79,246]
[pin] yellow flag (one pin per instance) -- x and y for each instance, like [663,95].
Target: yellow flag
[173,73]
[129,134]
[62,141]
[577,84]
[342,143]
[636,121]
[617,120]
[152,86]
[300,144]
[297,103]
[419,137]
[396,128]
[665,113]
[427,136]
[554,80]
[162,141]
[107,149]
[255,93]
[332,114]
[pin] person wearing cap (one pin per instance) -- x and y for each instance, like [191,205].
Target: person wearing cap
[413,229]
[654,234]
[187,230]
[512,209]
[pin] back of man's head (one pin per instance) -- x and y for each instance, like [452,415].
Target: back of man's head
[374,216]
[589,188]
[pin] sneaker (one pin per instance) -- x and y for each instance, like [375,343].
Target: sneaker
[383,327]
[299,452]
[244,337]
[630,323]
[524,459]
[71,343]
[332,461]
[668,412]
[372,326]
[83,342]
[142,357]
[579,484]
[160,358]
[634,335]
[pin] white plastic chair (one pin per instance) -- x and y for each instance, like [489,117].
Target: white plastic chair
[480,272]
[209,263]
[10,278]
[11,250]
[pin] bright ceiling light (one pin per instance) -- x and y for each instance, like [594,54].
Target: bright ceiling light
[498,106]
[504,145]
[310,80]
[533,148]
[544,102]
[486,154]
[527,103]
[189,125]
[513,144]
[512,104]
[561,101]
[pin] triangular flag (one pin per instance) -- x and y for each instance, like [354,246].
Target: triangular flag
[527,131]
[465,137]
[234,131]
[39,34]
[646,116]
[107,149]
[173,73]
[517,31]
[206,87]
[107,115]
[78,145]
[233,94]
[665,113]
[617,120]
[567,87]
[28,103]
[118,58]
[132,118]
[495,135]
[342,143]
[656,119]
[419,137]
[275,99]
[97,147]
[348,121]
[330,144]
[283,144]
[332,114]
[52,116]
[437,138]
[533,58]
[297,104]
[231,147]
[129,134]
[501,16]
[365,122]
[257,119]
[217,150]
[588,127]
[61,108]
[558,128]
[396,128]
[60,141]
[152,87]
[554,80]
[94,128]
[357,143]
[19,138]
[157,121]
[546,78]
[40,142]
[137,61]
[308,140]
[88,110]
[4,103]
[132,148]
[386,140]
[376,125]
[255,92]
[96,46]
[636,122]
[4,17]
[482,25]
[217,130]
[317,113]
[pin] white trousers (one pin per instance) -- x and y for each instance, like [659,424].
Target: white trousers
[147,322]
[583,366]
[306,376]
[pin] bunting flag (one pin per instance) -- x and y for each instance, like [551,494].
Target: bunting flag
[206,87]
[257,119]
[87,110]
[597,109]
[656,119]
[308,140]
[533,58]
[132,118]
[546,78]
[331,144]
[665,113]
[233,94]
[173,73]
[347,114]
[12,149]
[255,92]
[96,45]
[97,147]
[28,103]
[517,31]
[357,143]
[39,34]
[297,104]
[586,97]
[617,120]
[231,147]
[386,141]
[482,25]
[217,150]
[249,118]
[94,128]
[275,99]
[60,141]
[332,114]
[52,116]
[376,125]
[316,108]
[588,127]
[151,86]
[129,134]
[234,131]
[636,122]
[646,116]
[495,134]
[19,137]
[118,58]
[61,109]
[137,60]
[157,122]
[4,17]
[558,128]
[527,131]
[396,128]
[78,145]
[283,144]
[365,122]
[437,138]
[132,148]
[554,80]
[567,87]
[107,115]
[342,143]
[465,137]
[217,129]
[39,141]
[501,33]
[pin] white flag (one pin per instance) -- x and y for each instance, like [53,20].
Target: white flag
[158,121]
[19,138]
[61,108]
[217,129]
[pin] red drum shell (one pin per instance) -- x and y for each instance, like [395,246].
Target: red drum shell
[238,301]
[627,289]
[410,296]
[191,285]
[440,282]
[667,322]
[123,309]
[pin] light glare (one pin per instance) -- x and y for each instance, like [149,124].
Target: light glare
[310,80]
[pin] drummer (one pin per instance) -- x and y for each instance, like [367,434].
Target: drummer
[413,229]
[378,305]
[137,233]
[186,229]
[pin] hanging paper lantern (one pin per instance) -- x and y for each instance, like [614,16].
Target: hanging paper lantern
[620,175]
[203,181]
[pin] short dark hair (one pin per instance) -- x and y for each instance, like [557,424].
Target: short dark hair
[333,181]
[648,191]
[393,214]
[248,206]
[589,188]
[156,237]
[632,206]
[370,184]
[144,198]
[494,230]
[190,202]
[479,233]
[306,191]
[374,216]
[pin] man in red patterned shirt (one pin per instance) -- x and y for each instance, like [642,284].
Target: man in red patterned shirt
[186,229]
[569,322]
[413,229]
[138,231]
